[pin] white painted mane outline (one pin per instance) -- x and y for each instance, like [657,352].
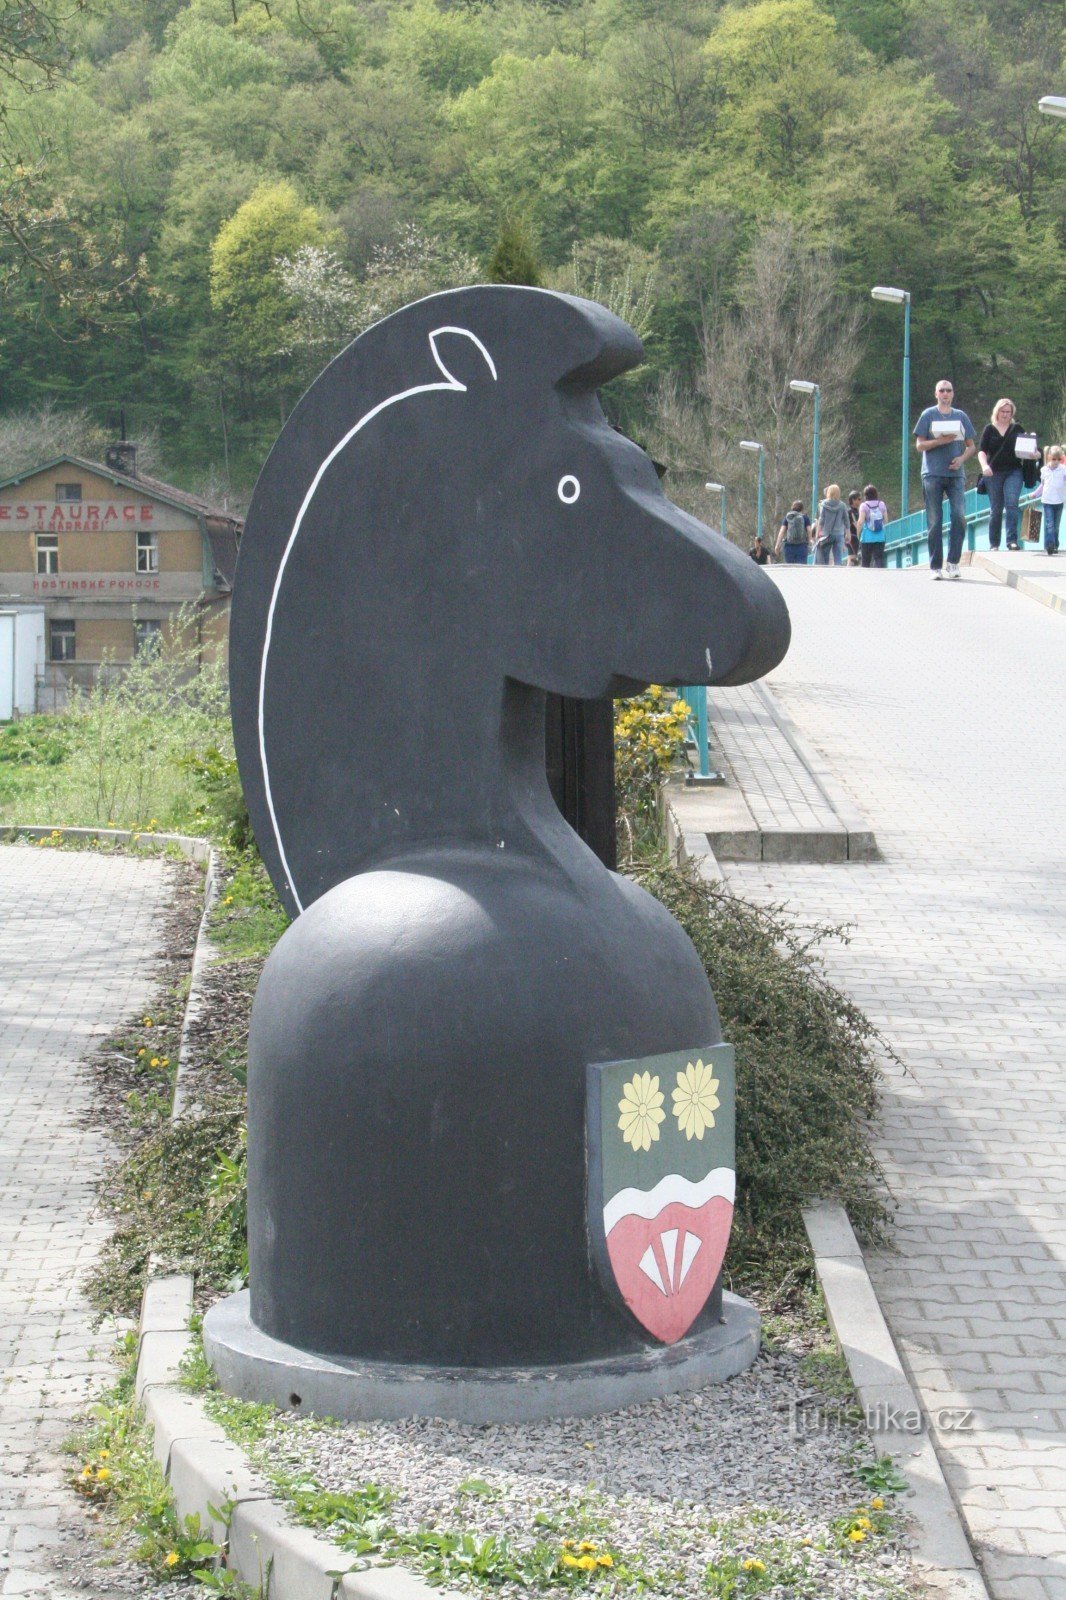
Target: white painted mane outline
[451,382]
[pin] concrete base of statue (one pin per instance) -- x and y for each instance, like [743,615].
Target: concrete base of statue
[253,1366]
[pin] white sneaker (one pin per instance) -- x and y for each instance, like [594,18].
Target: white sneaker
[952,570]
[937,575]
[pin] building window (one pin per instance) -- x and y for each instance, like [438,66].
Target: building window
[68,491]
[147,552]
[147,637]
[47,554]
[61,641]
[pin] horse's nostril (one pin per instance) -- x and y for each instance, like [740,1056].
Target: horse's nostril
[569,489]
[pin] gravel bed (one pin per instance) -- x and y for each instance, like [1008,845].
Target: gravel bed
[674,1486]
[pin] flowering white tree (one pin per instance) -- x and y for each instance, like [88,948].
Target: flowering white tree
[332,306]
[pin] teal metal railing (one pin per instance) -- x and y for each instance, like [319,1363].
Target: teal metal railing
[907,538]
[695,698]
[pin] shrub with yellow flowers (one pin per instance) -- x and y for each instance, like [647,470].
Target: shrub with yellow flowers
[649,739]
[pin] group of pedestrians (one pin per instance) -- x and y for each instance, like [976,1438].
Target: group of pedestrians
[846,531]
[853,531]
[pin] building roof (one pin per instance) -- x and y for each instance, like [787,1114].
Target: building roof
[222,528]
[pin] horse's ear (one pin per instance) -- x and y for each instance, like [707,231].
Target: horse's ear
[462,358]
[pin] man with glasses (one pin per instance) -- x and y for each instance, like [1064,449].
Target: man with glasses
[946,440]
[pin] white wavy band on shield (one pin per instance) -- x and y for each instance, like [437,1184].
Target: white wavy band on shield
[647,1203]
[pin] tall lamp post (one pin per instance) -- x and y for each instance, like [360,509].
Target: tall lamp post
[801,386]
[751,444]
[1053,105]
[719,488]
[901,297]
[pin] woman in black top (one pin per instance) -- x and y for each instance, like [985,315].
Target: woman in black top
[1003,473]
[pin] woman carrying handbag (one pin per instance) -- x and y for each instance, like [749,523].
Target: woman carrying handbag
[1001,469]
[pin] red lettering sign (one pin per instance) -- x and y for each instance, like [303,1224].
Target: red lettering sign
[5,513]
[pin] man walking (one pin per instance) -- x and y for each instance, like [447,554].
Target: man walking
[945,438]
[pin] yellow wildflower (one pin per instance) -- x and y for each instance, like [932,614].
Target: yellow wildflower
[142,1052]
[86,1471]
[568,1544]
[877,1504]
[863,1522]
[147,1022]
[753,1564]
[104,1455]
[857,1535]
[586,1544]
[569,1560]
[228,901]
[589,1445]
[154,1061]
[171,1558]
[103,1473]
[605,1560]
[165,1061]
[586,1563]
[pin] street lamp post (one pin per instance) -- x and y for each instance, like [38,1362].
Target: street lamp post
[801,386]
[901,297]
[1053,105]
[719,488]
[751,444]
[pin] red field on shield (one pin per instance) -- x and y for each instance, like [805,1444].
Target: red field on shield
[666,1265]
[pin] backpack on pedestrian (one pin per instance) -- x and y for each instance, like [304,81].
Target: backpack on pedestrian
[795,527]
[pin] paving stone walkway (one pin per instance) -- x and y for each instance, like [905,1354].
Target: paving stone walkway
[780,790]
[940,707]
[78,936]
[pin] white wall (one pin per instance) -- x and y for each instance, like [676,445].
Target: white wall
[21,656]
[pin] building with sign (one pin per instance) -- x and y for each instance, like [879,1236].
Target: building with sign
[112,555]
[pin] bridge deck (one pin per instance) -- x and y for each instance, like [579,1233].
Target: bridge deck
[939,707]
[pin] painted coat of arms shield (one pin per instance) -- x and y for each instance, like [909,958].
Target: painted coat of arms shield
[661,1181]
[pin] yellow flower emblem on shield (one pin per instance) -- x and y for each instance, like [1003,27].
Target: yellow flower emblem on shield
[641,1108]
[696,1100]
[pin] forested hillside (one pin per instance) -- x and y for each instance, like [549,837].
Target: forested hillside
[211,196]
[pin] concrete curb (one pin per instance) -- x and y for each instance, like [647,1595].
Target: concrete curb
[898,1426]
[1032,588]
[211,1477]
[194,848]
[203,954]
[860,844]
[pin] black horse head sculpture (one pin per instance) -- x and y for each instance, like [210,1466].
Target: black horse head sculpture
[446,529]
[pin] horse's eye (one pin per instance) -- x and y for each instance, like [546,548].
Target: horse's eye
[569,489]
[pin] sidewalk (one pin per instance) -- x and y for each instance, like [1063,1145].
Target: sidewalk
[77,932]
[939,708]
[778,802]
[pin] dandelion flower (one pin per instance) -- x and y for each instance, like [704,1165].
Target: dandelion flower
[103,1473]
[857,1535]
[605,1560]
[171,1558]
[569,1560]
[568,1544]
[877,1504]
[863,1522]
[586,1544]
[154,1061]
[104,1455]
[589,1445]
[586,1563]
[753,1564]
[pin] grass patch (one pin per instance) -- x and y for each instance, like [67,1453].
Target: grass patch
[116,1471]
[179,1194]
[248,918]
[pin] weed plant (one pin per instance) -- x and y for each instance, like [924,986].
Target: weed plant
[117,1471]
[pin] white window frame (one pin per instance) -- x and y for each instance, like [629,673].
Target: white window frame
[147,551]
[47,545]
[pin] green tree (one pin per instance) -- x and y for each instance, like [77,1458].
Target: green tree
[253,309]
[781,71]
[513,259]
